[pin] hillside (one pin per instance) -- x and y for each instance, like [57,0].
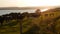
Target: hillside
[51,13]
[47,22]
[18,8]
[24,8]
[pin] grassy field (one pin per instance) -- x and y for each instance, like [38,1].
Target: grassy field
[12,27]
[31,26]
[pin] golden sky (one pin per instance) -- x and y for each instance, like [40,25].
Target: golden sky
[28,3]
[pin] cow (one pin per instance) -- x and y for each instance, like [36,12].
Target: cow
[1,20]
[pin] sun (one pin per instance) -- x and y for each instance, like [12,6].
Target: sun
[42,10]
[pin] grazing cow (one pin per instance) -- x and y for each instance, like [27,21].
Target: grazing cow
[21,16]
[1,20]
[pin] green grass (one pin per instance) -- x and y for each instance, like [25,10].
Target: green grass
[11,28]
[29,25]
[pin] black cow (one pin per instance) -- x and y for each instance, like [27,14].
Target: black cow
[1,20]
[21,16]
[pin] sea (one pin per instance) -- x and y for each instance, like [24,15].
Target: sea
[2,12]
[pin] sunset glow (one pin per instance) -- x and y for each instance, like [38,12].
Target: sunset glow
[28,3]
[42,10]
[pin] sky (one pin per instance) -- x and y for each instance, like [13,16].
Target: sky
[28,3]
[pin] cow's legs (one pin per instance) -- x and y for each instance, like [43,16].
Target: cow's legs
[1,23]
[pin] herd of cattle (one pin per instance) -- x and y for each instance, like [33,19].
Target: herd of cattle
[8,17]
[15,16]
